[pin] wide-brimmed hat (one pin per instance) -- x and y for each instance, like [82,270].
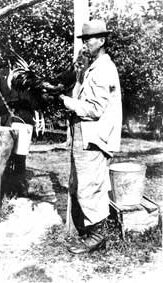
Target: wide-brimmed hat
[94,28]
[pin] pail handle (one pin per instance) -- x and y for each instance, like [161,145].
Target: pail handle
[15,116]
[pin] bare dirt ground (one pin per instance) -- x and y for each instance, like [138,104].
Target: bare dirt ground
[33,238]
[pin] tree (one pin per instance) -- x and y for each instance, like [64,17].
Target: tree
[17,6]
[43,36]
[135,44]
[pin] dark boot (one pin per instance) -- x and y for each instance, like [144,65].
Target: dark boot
[95,240]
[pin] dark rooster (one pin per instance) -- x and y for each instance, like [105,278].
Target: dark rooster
[36,93]
[31,98]
[22,77]
[33,93]
[28,85]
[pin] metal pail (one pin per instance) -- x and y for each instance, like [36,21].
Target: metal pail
[24,137]
[127,182]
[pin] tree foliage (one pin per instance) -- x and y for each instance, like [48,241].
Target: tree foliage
[136,46]
[16,6]
[43,36]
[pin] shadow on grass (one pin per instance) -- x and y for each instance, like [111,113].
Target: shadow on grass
[148,136]
[33,274]
[120,156]
[119,257]
[61,196]
[38,189]
[44,194]
[149,152]
[154,170]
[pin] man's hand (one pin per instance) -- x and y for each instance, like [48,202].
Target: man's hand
[49,86]
[61,97]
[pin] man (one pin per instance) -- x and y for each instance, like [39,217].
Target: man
[96,131]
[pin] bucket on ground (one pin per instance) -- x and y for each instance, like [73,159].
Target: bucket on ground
[24,137]
[127,182]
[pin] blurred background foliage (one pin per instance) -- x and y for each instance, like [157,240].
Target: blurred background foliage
[135,44]
[43,36]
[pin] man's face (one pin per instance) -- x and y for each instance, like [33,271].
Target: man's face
[92,46]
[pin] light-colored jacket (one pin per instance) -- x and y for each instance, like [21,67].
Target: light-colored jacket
[98,104]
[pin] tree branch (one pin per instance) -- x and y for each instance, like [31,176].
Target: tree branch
[6,11]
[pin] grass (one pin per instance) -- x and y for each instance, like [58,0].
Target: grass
[6,209]
[121,258]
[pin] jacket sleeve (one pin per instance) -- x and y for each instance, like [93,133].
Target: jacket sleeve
[94,98]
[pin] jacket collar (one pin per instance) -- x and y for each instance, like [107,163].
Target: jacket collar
[101,59]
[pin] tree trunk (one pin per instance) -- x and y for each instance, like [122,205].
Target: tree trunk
[6,146]
[11,8]
[81,14]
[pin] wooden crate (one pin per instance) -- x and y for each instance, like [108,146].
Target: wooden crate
[137,218]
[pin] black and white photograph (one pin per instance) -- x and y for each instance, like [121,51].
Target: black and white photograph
[81,141]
